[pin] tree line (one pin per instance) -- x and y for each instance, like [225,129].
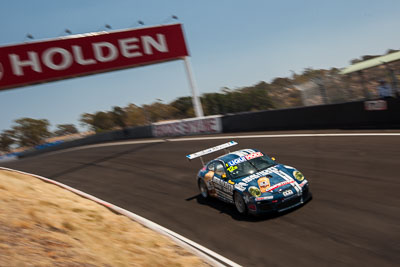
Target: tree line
[227,101]
[281,92]
[28,132]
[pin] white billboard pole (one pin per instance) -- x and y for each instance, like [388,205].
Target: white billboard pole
[198,110]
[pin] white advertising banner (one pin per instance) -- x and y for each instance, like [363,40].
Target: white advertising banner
[205,125]
[375,105]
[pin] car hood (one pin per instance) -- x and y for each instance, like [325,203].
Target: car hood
[269,180]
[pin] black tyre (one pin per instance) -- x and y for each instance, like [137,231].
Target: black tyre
[239,203]
[203,188]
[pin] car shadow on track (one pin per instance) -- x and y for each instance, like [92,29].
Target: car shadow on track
[97,162]
[230,209]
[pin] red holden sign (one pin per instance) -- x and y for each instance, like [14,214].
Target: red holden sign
[85,54]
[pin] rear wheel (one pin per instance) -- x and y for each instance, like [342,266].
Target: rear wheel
[203,189]
[239,203]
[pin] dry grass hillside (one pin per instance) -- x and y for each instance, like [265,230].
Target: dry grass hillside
[44,225]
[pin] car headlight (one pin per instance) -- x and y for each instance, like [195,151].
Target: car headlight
[254,191]
[298,175]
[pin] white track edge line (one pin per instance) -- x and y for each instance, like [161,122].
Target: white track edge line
[192,246]
[281,136]
[178,139]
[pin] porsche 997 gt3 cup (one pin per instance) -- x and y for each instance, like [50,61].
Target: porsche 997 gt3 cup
[251,180]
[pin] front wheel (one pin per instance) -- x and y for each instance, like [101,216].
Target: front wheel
[239,203]
[203,189]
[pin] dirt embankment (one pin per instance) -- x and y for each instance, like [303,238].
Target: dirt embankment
[44,225]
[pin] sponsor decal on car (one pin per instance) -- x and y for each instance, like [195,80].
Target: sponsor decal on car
[236,161]
[227,197]
[264,184]
[208,180]
[264,198]
[211,150]
[253,155]
[222,185]
[279,185]
[241,186]
[257,175]
[245,158]
[287,193]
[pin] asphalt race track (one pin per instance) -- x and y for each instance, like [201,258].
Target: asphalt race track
[352,220]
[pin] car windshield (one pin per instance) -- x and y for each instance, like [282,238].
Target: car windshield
[248,167]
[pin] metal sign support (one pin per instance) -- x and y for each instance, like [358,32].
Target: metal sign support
[198,110]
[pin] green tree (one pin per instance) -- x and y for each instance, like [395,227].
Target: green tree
[31,132]
[184,107]
[64,129]
[232,101]
[135,116]
[87,120]
[158,111]
[258,98]
[6,140]
[118,115]
[215,103]
[98,122]
[103,121]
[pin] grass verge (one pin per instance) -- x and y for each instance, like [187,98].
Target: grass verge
[42,224]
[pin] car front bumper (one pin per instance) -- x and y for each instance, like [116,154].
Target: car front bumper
[280,205]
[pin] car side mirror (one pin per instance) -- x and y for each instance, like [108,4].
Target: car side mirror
[223,176]
[273,158]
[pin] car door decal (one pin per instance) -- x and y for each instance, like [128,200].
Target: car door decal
[223,188]
[209,183]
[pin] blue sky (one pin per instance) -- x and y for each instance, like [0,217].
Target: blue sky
[232,44]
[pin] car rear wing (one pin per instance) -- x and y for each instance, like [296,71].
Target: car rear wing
[210,150]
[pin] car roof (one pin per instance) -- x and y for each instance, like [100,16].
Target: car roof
[236,154]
